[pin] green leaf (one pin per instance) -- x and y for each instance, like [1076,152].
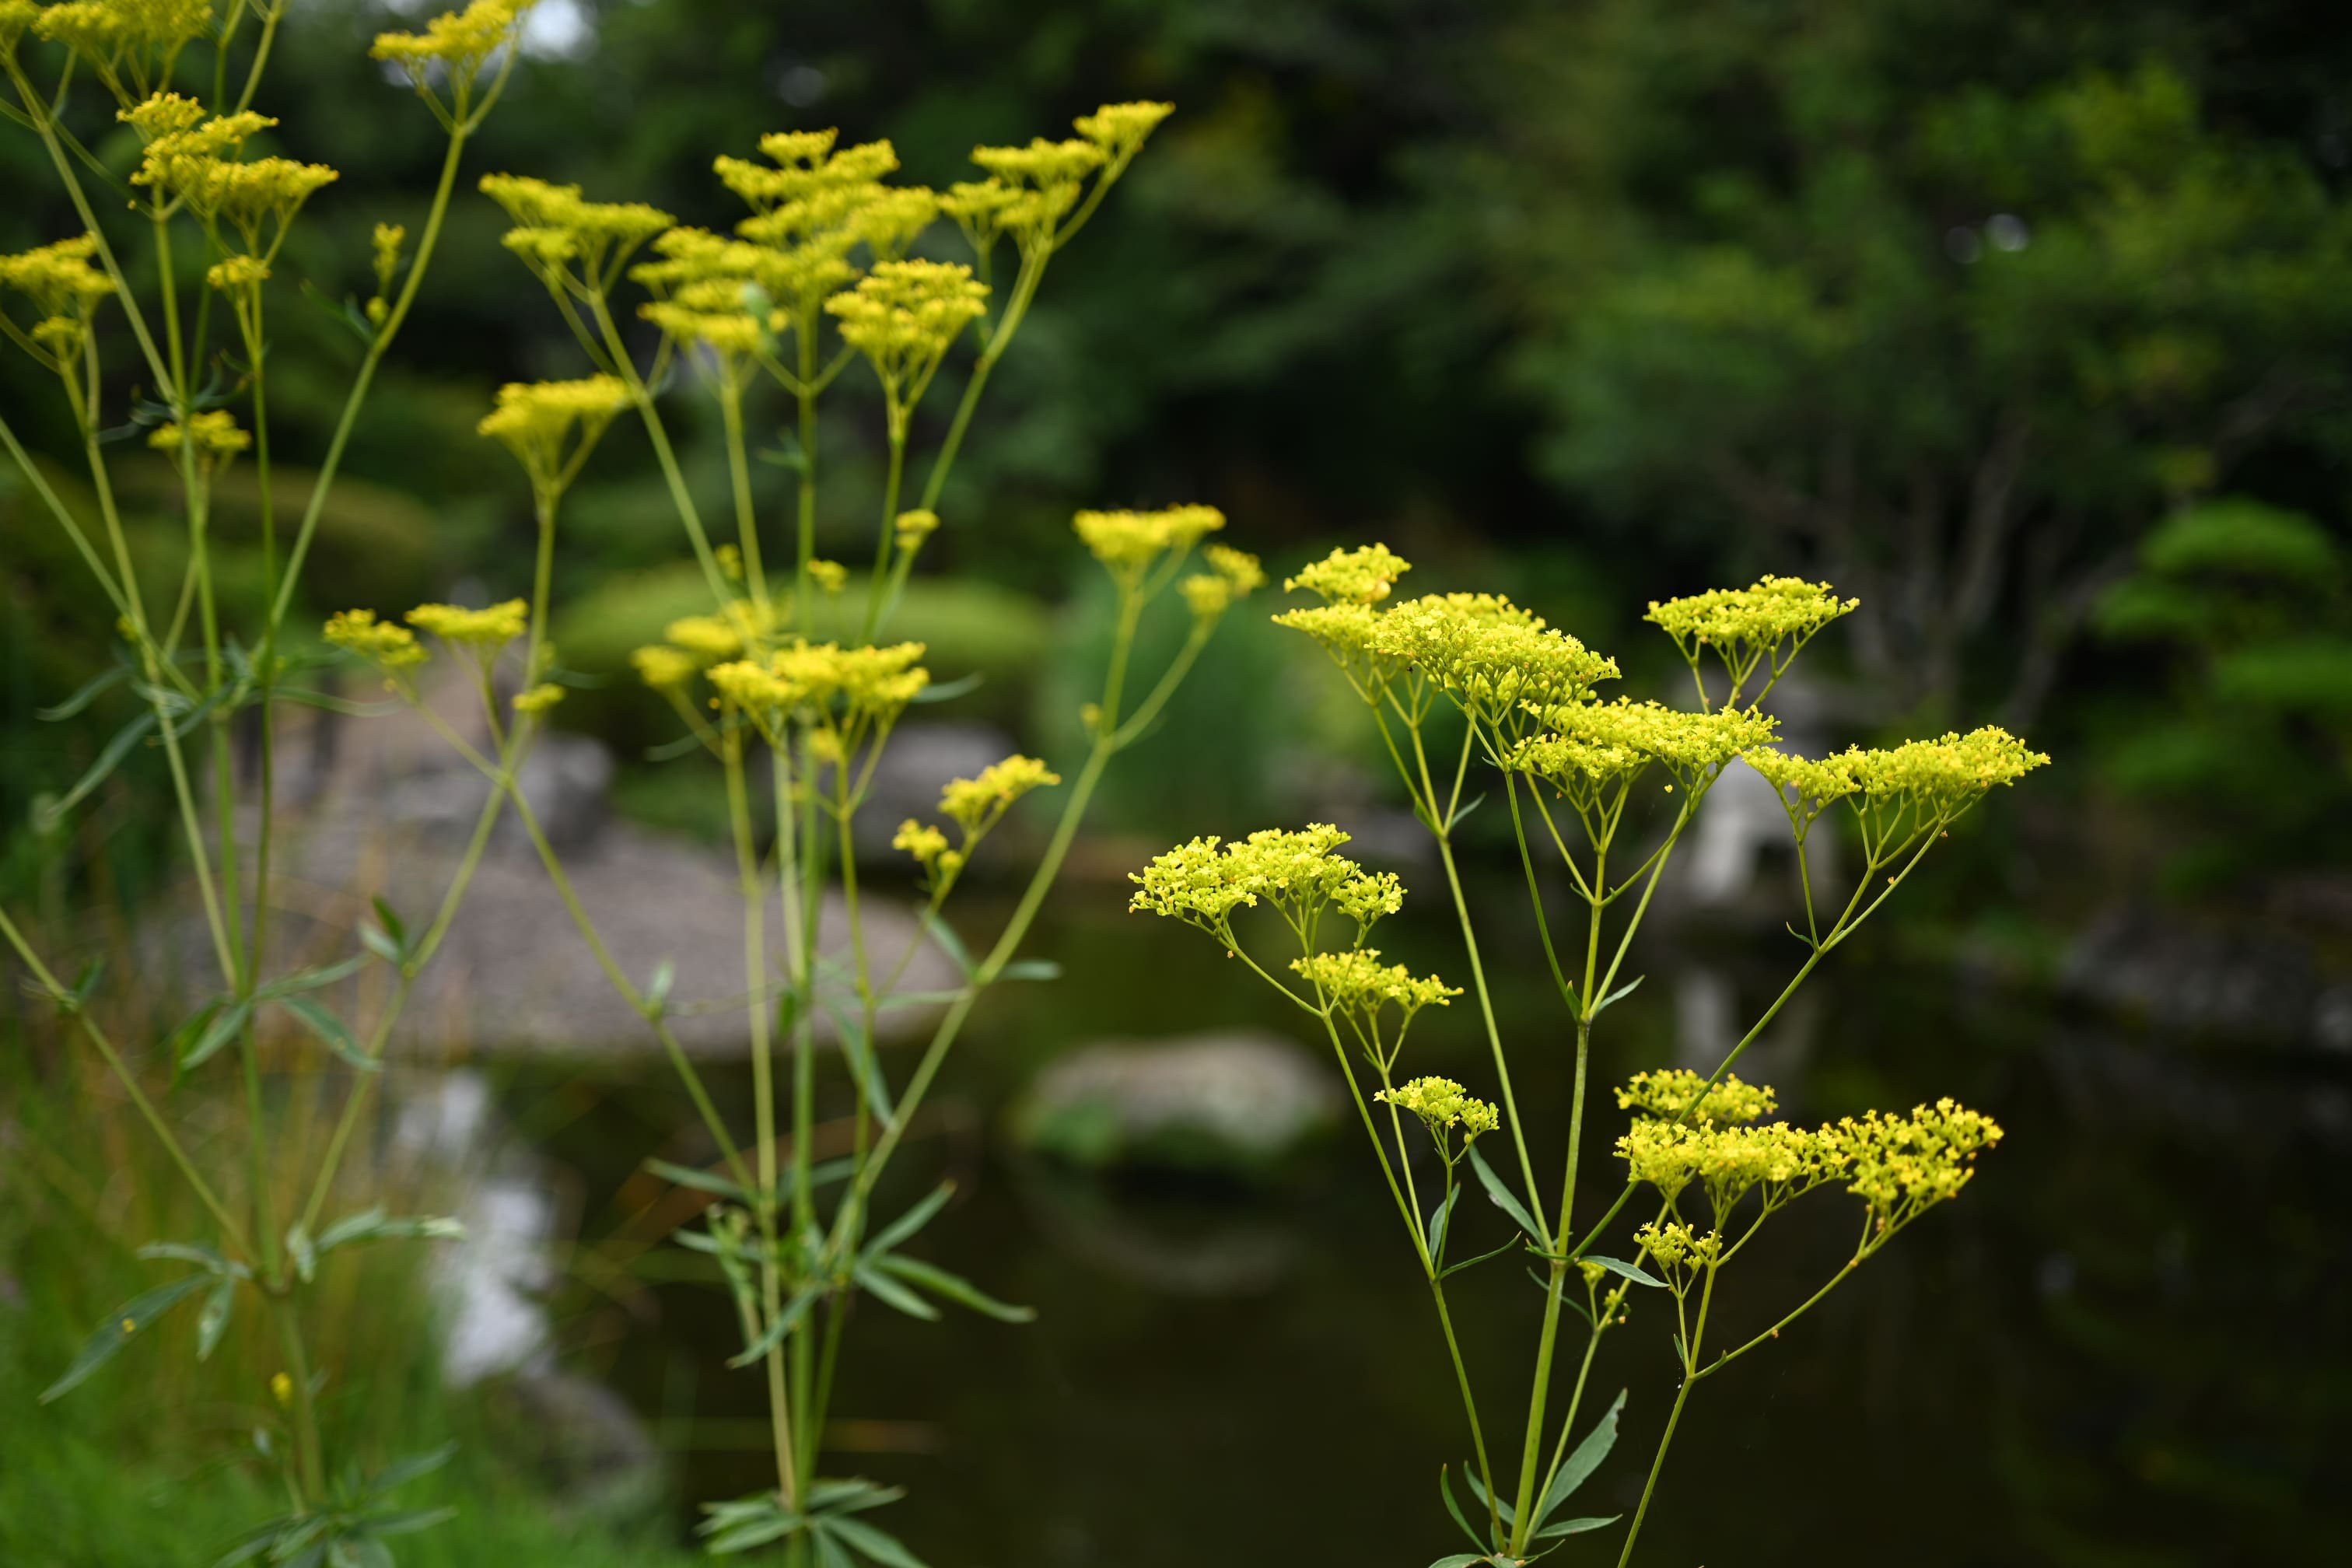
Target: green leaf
[1585,1459]
[781,1324]
[890,1293]
[206,1258]
[332,1032]
[1456,820]
[858,1048]
[899,1000]
[1574,1527]
[51,812]
[310,979]
[399,1472]
[226,1018]
[874,1545]
[1478,1489]
[89,692]
[1452,1268]
[831,1553]
[1630,1271]
[1621,991]
[947,690]
[1030,969]
[305,1253]
[1503,1198]
[213,1322]
[700,1180]
[1445,1490]
[383,943]
[1461,1559]
[656,993]
[408,1522]
[374,1224]
[125,1324]
[753,1532]
[850,1494]
[955,1288]
[389,919]
[900,1229]
[939,932]
[1438,1218]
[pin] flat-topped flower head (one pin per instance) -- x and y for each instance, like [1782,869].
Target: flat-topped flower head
[1043,163]
[1902,1165]
[390,648]
[1807,786]
[1499,663]
[1669,1092]
[1121,129]
[904,316]
[568,240]
[459,42]
[237,275]
[1355,980]
[706,640]
[1233,574]
[483,630]
[16,18]
[929,848]
[64,290]
[212,435]
[1129,543]
[1678,1246]
[1364,575]
[1590,747]
[975,804]
[665,669]
[1442,1105]
[539,700]
[131,44]
[1727,1162]
[1947,775]
[830,577]
[804,166]
[551,426]
[1765,624]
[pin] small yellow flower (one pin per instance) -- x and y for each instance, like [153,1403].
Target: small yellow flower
[390,648]
[975,804]
[211,435]
[830,575]
[663,668]
[480,629]
[539,698]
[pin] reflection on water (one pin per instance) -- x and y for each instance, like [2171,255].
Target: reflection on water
[2126,1345]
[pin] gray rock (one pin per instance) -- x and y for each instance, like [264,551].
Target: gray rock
[1231,1104]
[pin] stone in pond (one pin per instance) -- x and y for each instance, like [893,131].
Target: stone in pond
[1226,1104]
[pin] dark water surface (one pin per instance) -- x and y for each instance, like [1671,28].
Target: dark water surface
[2125,1343]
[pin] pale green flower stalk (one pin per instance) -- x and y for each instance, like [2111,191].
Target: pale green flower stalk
[195,178]
[1525,693]
[818,276]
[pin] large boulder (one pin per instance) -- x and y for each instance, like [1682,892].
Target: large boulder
[1235,1105]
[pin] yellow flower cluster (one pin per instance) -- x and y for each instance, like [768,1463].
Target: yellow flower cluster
[665,669]
[1900,1165]
[928,845]
[1121,129]
[390,648]
[539,698]
[914,527]
[707,639]
[1356,981]
[1678,1246]
[1442,1103]
[1129,543]
[1204,881]
[813,204]
[1360,576]
[904,316]
[1591,746]
[1496,661]
[211,435]
[387,241]
[102,31]
[17,16]
[569,241]
[200,162]
[1912,785]
[976,804]
[1233,574]
[1029,190]
[713,290]
[1668,1092]
[482,630]
[461,41]
[1729,1162]
[1770,612]
[237,275]
[64,290]
[537,421]
[872,685]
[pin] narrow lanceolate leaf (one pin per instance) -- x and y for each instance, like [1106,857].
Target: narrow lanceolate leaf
[1514,1243]
[1503,1197]
[1445,1490]
[1632,1271]
[751,1533]
[954,1288]
[777,1327]
[890,1293]
[213,1322]
[195,1252]
[331,1031]
[408,1522]
[1030,969]
[939,932]
[831,1552]
[399,1472]
[1574,1527]
[225,1018]
[1460,1560]
[1579,1464]
[1619,994]
[49,812]
[1438,1218]
[874,1545]
[1478,1489]
[905,1226]
[700,1180]
[128,1321]
[312,979]
[303,1251]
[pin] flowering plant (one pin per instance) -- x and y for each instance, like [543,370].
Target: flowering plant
[1700,1148]
[829,270]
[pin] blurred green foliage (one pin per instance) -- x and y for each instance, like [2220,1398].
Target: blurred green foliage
[1951,303]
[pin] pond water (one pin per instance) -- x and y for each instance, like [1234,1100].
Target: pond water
[2126,1343]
